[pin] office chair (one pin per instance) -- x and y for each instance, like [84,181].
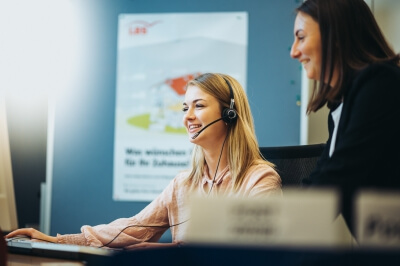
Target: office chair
[293,163]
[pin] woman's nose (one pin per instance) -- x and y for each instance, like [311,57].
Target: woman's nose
[189,115]
[294,52]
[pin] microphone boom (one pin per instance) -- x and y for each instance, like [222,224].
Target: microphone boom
[198,133]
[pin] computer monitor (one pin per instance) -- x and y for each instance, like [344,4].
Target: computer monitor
[8,212]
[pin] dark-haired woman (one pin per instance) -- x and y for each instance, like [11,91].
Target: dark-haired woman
[357,75]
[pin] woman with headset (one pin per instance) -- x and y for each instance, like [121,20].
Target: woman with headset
[225,162]
[357,75]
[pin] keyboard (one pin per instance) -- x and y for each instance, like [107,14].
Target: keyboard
[60,251]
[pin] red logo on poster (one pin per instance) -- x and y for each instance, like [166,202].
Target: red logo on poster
[140,27]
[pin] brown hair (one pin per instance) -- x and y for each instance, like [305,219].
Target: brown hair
[350,39]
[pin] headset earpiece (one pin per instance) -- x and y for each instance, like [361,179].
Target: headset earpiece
[229,115]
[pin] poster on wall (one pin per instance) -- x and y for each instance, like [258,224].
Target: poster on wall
[156,55]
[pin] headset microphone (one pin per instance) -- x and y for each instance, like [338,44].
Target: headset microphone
[198,133]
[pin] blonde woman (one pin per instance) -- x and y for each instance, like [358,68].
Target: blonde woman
[225,161]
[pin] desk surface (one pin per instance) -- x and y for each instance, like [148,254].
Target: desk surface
[251,256]
[25,260]
[221,256]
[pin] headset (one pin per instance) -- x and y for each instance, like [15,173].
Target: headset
[229,115]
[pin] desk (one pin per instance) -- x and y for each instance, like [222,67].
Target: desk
[25,260]
[253,256]
[229,256]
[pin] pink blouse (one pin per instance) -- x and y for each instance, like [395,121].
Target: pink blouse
[170,210]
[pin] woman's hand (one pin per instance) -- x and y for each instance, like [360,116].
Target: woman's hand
[33,234]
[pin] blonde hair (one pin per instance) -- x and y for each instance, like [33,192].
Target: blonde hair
[241,144]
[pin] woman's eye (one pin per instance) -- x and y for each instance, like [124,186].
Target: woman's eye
[184,109]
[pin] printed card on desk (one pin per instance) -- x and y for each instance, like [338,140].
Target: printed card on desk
[298,218]
[377,219]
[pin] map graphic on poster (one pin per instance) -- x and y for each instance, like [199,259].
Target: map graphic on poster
[157,54]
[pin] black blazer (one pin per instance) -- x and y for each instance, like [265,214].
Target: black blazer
[367,148]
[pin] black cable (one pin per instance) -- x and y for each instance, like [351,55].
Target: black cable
[219,159]
[138,225]
[135,225]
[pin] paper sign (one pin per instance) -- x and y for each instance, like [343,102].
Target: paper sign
[298,218]
[377,218]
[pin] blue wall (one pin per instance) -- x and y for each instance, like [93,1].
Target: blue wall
[84,120]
